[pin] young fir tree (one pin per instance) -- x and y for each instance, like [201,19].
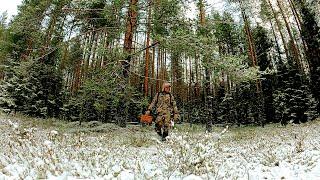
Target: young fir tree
[293,99]
[311,35]
[263,45]
[35,89]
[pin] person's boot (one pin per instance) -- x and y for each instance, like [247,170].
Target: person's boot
[164,135]
[158,130]
[159,133]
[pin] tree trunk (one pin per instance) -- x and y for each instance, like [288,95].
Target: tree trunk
[279,28]
[130,28]
[297,55]
[298,22]
[252,53]
[275,39]
[252,50]
[158,69]
[146,72]
[152,72]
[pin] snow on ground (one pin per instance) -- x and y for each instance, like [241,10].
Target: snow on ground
[33,149]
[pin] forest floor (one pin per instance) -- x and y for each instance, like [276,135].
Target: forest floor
[53,149]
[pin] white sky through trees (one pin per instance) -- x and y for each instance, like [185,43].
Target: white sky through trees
[11,6]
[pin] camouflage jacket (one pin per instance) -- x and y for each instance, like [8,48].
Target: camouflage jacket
[164,103]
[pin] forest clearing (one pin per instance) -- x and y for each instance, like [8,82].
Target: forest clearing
[36,148]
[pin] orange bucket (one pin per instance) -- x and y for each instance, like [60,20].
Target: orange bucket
[146,119]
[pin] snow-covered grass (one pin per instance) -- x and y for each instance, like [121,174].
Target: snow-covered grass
[52,149]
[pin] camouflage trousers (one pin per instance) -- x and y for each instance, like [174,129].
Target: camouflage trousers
[162,125]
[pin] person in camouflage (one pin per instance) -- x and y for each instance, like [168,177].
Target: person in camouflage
[166,109]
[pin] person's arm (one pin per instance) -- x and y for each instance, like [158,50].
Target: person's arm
[152,104]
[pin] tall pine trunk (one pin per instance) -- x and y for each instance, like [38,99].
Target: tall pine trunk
[280,31]
[296,52]
[146,69]
[297,18]
[130,28]
[252,50]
